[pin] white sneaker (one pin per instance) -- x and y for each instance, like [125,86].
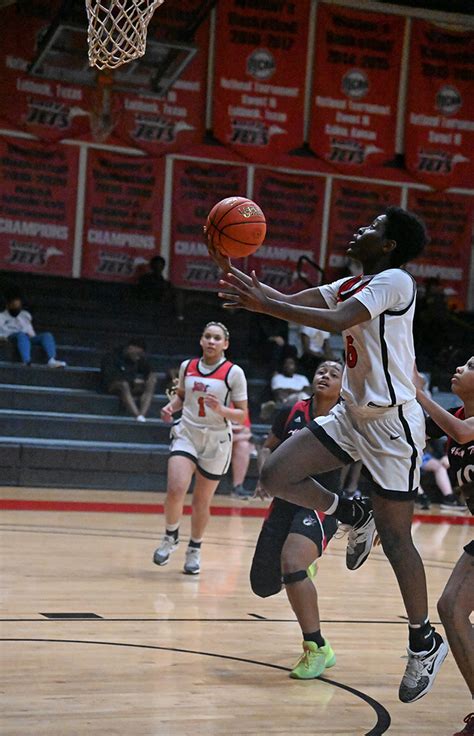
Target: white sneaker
[53,363]
[360,539]
[167,547]
[421,671]
[192,563]
[141,418]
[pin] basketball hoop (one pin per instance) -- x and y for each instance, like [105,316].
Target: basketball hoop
[117,30]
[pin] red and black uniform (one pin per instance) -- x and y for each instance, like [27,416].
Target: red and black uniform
[461,464]
[285,518]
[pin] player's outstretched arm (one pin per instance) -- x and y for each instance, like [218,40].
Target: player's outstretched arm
[253,297]
[461,430]
[307,297]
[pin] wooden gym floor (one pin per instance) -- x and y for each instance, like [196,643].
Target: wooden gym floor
[98,640]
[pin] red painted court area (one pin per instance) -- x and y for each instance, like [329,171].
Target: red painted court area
[157,508]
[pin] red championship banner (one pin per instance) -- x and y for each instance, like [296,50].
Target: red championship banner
[293,206]
[163,124]
[122,219]
[439,134]
[355,89]
[353,205]
[197,186]
[259,77]
[49,109]
[37,206]
[449,219]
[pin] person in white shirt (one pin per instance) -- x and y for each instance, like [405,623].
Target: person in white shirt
[288,383]
[378,422]
[211,394]
[16,326]
[315,348]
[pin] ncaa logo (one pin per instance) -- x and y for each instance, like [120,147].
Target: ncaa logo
[355,84]
[448,100]
[261,64]
[309,521]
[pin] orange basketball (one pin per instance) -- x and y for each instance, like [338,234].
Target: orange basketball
[236,226]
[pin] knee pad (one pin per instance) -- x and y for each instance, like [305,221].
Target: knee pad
[294,577]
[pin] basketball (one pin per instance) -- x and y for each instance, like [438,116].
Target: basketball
[236,226]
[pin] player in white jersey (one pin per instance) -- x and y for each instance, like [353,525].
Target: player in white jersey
[201,440]
[379,421]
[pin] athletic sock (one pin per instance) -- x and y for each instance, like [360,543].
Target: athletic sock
[316,637]
[421,636]
[195,543]
[348,511]
[173,531]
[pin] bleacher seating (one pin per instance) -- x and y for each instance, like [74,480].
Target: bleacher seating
[56,428]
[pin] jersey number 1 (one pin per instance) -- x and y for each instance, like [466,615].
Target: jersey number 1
[351,352]
[202,407]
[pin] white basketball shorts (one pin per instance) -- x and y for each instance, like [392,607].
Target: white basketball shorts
[210,449]
[389,441]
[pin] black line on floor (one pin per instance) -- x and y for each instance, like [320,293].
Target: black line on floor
[383,716]
[71,616]
[254,620]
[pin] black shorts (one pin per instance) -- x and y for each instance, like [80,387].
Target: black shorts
[469,548]
[285,518]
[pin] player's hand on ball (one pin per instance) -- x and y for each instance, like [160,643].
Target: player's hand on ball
[219,258]
[237,293]
[166,413]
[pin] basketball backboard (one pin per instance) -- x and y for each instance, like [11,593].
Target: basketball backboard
[62,52]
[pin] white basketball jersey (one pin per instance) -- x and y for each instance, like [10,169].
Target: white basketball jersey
[220,382]
[380,352]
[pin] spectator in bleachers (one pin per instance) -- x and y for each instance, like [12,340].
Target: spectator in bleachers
[153,286]
[288,382]
[315,349]
[16,326]
[439,468]
[128,372]
[269,342]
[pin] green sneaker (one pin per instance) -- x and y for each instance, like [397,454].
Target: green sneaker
[313,661]
[312,569]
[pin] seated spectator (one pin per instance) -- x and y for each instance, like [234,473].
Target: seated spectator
[435,461]
[439,467]
[154,287]
[16,326]
[269,341]
[315,348]
[153,284]
[127,372]
[287,383]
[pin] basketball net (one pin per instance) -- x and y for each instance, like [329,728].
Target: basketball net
[117,30]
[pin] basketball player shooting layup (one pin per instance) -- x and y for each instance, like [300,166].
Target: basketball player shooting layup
[379,421]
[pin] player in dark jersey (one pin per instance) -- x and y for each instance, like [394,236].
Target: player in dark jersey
[457,600]
[293,537]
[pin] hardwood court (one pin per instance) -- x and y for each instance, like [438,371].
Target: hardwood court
[141,650]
